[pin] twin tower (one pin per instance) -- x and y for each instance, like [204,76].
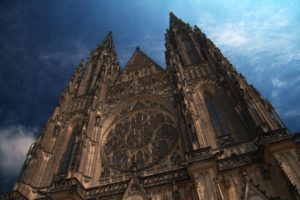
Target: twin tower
[195,130]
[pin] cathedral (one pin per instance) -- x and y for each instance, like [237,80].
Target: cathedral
[195,130]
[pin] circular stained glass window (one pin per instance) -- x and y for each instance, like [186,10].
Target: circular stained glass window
[140,139]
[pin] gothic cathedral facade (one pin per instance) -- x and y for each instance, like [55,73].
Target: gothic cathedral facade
[193,131]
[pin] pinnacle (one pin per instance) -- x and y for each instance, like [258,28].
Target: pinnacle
[108,41]
[80,65]
[173,18]
[107,44]
[175,21]
[81,62]
[79,69]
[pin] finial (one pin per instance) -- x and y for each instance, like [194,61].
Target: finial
[173,18]
[137,48]
[109,35]
[107,41]
[81,61]
[80,65]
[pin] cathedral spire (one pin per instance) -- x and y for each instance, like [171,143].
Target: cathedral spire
[177,22]
[79,67]
[108,41]
[101,66]
[105,47]
[78,72]
[173,18]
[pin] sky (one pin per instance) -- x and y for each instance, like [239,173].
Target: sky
[41,43]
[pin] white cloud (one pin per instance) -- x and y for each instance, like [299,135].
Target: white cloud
[262,40]
[291,113]
[231,38]
[275,93]
[14,144]
[277,83]
[266,30]
[65,57]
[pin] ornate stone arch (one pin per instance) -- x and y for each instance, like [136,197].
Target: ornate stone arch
[72,124]
[208,86]
[222,115]
[118,109]
[138,133]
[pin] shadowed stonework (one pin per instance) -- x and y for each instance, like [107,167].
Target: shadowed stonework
[195,130]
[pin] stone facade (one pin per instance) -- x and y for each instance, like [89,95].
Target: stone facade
[195,130]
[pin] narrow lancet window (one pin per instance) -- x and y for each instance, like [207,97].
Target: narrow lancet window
[190,51]
[217,116]
[69,151]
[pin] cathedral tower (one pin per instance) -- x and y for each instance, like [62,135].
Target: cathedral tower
[195,130]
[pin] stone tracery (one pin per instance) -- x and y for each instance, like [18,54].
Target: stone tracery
[140,138]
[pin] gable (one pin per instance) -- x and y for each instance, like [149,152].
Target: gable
[140,65]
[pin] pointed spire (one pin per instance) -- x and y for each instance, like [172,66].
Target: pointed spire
[76,76]
[198,31]
[175,21]
[78,71]
[80,65]
[108,41]
[107,45]
[79,68]
[173,18]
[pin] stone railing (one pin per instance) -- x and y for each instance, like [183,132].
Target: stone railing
[106,190]
[69,185]
[238,160]
[147,181]
[200,154]
[14,195]
[165,178]
[119,187]
[275,136]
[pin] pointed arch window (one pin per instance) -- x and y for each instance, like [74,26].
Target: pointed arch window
[188,45]
[69,151]
[217,116]
[190,51]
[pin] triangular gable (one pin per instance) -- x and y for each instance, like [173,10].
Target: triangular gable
[253,192]
[135,191]
[140,60]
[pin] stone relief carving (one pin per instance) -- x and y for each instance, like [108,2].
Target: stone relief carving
[156,84]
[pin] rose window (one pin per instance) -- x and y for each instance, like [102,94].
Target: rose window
[140,139]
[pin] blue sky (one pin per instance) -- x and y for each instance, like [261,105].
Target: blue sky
[43,41]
